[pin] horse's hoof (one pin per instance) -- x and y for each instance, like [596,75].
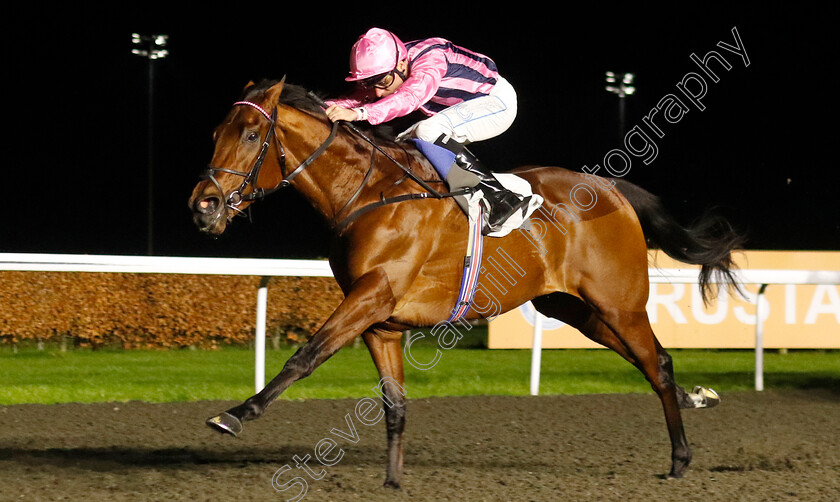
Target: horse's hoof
[708,398]
[679,465]
[225,423]
[390,483]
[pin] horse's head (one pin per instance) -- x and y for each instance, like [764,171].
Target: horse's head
[247,160]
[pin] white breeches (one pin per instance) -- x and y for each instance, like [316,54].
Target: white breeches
[474,120]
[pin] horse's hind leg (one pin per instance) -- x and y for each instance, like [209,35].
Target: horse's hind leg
[577,314]
[385,348]
[635,333]
[702,397]
[580,316]
[629,334]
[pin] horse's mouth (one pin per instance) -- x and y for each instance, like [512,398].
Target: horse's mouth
[213,231]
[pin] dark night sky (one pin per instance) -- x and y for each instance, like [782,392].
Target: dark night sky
[76,156]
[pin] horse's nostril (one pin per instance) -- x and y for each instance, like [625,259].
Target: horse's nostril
[207,206]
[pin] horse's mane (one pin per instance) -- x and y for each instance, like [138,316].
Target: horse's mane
[298,97]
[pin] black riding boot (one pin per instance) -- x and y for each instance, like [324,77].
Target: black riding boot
[503,203]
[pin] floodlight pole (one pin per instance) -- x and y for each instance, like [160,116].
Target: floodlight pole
[151,48]
[620,84]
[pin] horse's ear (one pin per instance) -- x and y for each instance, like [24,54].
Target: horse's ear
[274,92]
[248,86]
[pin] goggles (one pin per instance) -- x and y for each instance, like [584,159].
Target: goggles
[381,81]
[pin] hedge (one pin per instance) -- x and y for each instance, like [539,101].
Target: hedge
[158,310]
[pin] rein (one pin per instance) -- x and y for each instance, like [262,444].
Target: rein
[340,227]
[356,130]
[236,197]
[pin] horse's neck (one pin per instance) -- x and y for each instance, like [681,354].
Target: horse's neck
[334,177]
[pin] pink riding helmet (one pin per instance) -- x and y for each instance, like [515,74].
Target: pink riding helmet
[376,52]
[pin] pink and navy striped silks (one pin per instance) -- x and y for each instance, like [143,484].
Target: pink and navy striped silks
[441,74]
[465,74]
[472,265]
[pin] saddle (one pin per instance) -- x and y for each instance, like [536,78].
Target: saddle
[460,169]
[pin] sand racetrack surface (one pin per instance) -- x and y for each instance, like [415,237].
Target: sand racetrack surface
[773,445]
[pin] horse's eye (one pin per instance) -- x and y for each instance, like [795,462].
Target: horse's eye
[252,137]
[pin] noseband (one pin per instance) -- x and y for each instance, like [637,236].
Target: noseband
[236,197]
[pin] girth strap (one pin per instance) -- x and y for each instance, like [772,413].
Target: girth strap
[342,226]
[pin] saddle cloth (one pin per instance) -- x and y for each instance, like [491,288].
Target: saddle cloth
[472,266]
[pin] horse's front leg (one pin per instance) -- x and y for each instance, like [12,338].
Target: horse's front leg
[369,301]
[386,350]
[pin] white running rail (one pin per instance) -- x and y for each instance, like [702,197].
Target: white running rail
[266,268]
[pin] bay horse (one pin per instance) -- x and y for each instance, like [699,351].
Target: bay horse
[398,252]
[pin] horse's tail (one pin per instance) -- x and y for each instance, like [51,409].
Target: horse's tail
[709,242]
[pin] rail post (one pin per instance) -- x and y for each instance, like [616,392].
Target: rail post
[536,353]
[759,341]
[259,336]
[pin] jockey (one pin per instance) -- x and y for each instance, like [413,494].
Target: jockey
[461,92]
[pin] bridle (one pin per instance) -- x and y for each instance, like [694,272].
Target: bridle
[237,196]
